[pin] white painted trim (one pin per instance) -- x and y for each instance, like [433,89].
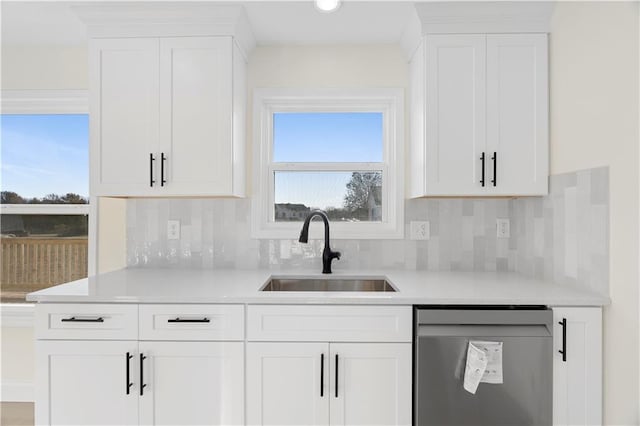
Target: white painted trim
[17,392]
[44,101]
[388,101]
[17,315]
[46,209]
[120,19]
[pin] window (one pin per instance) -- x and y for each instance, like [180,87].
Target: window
[45,186]
[335,150]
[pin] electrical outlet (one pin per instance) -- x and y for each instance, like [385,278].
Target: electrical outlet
[420,230]
[503,228]
[173,229]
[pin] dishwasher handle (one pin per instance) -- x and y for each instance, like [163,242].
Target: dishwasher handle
[455,330]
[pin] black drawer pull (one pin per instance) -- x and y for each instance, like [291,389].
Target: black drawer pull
[494,181]
[162,160]
[321,375]
[336,375]
[74,319]
[482,166]
[151,160]
[563,323]
[129,384]
[178,319]
[142,383]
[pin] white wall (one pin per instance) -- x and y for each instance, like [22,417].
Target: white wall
[44,67]
[594,122]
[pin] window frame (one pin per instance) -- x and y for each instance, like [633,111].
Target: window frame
[37,102]
[389,102]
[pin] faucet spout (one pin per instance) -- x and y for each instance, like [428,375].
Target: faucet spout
[327,254]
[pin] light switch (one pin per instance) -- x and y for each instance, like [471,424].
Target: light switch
[503,228]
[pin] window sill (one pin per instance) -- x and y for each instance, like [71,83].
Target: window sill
[18,315]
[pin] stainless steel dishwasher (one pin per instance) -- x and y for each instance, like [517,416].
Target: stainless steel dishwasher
[442,336]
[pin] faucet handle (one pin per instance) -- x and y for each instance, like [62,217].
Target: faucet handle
[336,254]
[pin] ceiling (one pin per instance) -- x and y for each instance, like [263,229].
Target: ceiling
[283,22]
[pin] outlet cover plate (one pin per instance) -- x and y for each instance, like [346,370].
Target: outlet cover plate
[173,229]
[419,230]
[503,228]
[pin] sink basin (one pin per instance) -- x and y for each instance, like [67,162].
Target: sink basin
[370,284]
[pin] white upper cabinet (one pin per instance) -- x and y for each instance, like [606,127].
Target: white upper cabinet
[455,113]
[479,99]
[517,114]
[164,115]
[124,120]
[168,99]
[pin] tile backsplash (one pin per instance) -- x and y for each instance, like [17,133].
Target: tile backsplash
[562,237]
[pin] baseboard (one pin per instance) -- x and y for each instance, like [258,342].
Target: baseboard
[16,392]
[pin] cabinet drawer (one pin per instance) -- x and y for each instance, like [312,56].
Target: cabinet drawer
[86,321]
[191,322]
[319,323]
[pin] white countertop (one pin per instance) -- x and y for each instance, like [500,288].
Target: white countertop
[133,285]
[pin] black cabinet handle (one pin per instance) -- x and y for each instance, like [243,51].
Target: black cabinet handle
[321,375]
[178,319]
[151,160]
[74,319]
[162,160]
[336,375]
[482,160]
[142,384]
[494,181]
[129,384]
[563,323]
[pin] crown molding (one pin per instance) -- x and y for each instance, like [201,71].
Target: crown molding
[167,20]
[476,17]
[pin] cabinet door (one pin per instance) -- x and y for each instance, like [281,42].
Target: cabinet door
[517,114]
[192,383]
[455,114]
[196,115]
[372,383]
[85,383]
[577,381]
[124,116]
[284,384]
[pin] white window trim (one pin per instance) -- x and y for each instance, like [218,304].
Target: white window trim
[388,101]
[46,102]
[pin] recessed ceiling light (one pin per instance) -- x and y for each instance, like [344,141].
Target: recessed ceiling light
[327,5]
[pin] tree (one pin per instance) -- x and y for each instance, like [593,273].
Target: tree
[361,189]
[8,197]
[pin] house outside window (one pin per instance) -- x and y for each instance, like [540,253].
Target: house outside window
[336,150]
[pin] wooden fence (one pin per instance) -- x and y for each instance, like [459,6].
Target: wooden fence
[34,263]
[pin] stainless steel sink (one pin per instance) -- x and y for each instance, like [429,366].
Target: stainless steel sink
[369,284]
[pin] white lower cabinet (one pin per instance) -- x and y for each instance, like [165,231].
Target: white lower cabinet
[577,366]
[185,383]
[287,383]
[291,383]
[192,383]
[85,383]
[372,384]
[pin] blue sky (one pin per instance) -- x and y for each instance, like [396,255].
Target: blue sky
[322,137]
[44,154]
